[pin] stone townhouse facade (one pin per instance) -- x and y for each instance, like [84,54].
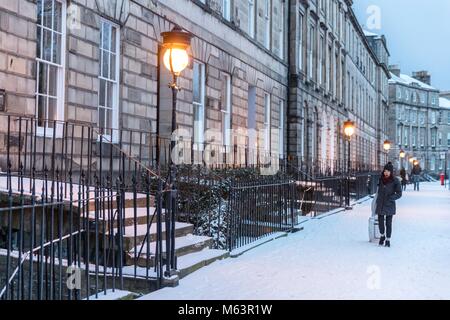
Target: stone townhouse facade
[99,63]
[444,128]
[419,121]
[336,73]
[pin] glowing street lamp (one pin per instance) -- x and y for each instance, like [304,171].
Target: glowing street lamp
[402,156]
[349,131]
[176,44]
[176,58]
[349,128]
[387,145]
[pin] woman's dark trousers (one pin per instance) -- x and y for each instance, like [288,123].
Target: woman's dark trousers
[385,228]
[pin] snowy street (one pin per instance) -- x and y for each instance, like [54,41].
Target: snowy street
[332,258]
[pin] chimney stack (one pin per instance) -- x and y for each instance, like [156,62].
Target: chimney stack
[395,69]
[423,76]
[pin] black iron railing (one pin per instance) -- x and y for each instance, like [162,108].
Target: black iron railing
[79,214]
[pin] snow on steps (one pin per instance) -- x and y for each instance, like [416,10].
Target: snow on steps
[129,218]
[183,246]
[189,263]
[132,237]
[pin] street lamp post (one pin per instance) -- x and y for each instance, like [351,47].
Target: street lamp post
[175,43]
[349,130]
[387,147]
[411,161]
[402,156]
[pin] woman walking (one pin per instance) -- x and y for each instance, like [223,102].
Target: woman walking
[404,177]
[415,173]
[389,190]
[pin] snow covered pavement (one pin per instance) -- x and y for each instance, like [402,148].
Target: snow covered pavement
[333,259]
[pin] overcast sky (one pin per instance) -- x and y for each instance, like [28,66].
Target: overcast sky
[417,32]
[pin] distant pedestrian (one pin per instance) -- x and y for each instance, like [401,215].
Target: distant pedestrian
[404,177]
[415,176]
[389,190]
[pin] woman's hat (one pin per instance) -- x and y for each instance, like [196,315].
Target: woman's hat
[389,167]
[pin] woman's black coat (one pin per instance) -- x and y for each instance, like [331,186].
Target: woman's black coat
[387,194]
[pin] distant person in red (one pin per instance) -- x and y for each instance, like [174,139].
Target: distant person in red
[389,190]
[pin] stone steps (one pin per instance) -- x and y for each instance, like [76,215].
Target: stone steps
[183,246]
[132,237]
[141,201]
[190,263]
[105,216]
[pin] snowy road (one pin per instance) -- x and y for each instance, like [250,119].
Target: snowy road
[333,259]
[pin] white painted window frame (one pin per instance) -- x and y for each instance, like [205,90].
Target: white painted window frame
[226,9]
[226,112]
[251,18]
[433,137]
[199,126]
[322,59]
[267,18]
[281,30]
[281,130]
[311,43]
[300,40]
[60,97]
[267,120]
[116,83]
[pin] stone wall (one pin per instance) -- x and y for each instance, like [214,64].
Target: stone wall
[17,55]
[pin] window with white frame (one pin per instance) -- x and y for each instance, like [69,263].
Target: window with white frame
[448,117]
[281,32]
[226,111]
[399,93]
[406,136]
[267,24]
[251,18]
[321,59]
[226,9]
[108,97]
[281,130]
[422,137]
[433,163]
[267,122]
[448,139]
[414,137]
[50,62]
[439,138]
[311,42]
[198,101]
[433,138]
[300,41]
[433,117]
